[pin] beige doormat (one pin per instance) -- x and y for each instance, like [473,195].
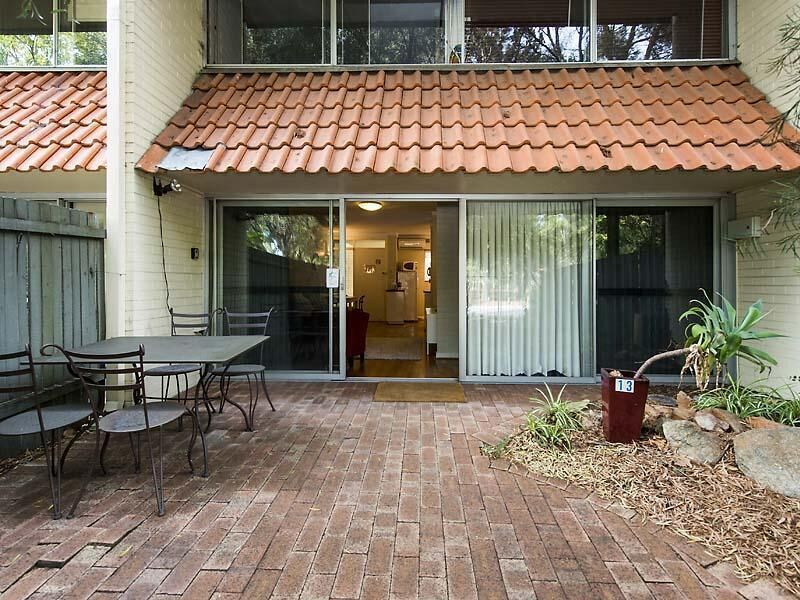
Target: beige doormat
[419,392]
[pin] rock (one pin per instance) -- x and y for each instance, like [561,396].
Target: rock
[591,418]
[684,414]
[762,423]
[708,422]
[661,400]
[684,400]
[771,457]
[734,422]
[688,440]
[654,417]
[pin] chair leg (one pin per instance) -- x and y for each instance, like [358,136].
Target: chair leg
[103,452]
[158,474]
[136,449]
[97,456]
[70,443]
[207,402]
[266,393]
[253,401]
[222,389]
[55,488]
[196,418]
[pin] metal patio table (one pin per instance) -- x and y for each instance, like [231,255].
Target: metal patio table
[205,350]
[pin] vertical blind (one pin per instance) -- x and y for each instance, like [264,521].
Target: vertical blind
[529,288]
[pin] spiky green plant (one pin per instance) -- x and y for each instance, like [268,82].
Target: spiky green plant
[717,335]
[780,404]
[551,424]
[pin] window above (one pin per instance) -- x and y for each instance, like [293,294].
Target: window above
[419,32]
[44,33]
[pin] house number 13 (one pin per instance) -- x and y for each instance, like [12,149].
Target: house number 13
[623,385]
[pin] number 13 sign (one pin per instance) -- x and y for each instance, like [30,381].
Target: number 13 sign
[623,385]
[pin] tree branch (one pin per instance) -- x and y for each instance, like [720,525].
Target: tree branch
[671,354]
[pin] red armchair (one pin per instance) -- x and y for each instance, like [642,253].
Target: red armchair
[356,331]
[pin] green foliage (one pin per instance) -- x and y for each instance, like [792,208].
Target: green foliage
[715,335]
[780,404]
[497,450]
[299,237]
[551,424]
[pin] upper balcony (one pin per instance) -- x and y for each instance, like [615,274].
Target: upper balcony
[302,34]
[52,33]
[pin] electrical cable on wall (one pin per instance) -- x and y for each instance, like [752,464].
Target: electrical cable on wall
[160,190]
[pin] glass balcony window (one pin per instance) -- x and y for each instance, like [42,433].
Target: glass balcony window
[423,32]
[537,31]
[41,33]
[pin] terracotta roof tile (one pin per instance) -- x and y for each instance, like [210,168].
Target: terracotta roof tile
[53,121]
[636,118]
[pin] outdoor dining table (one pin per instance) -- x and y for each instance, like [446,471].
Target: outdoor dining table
[178,349]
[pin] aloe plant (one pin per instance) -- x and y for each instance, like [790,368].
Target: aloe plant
[716,335]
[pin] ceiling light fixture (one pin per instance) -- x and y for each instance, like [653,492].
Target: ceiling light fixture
[370,205]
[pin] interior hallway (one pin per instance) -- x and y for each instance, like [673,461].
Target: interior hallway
[425,366]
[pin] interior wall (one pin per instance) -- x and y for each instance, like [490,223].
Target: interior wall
[418,256]
[371,285]
[445,261]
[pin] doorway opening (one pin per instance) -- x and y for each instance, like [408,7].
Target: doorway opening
[402,289]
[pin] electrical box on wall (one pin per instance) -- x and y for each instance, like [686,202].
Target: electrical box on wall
[195,253]
[742,229]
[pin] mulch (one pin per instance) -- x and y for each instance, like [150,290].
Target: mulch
[755,529]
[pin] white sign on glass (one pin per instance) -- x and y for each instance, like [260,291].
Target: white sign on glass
[332,278]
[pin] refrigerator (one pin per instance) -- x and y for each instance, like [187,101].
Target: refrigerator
[408,281]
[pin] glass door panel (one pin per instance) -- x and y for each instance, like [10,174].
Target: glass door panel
[528,289]
[651,262]
[277,255]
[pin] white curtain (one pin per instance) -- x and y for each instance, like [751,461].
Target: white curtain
[529,288]
[454,30]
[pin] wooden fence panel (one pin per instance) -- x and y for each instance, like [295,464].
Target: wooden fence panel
[52,287]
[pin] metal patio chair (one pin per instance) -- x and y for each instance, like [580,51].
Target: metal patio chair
[50,419]
[244,324]
[121,373]
[199,324]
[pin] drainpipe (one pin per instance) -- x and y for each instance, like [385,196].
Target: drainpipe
[115,172]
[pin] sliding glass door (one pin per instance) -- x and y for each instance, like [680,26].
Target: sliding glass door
[279,255]
[529,289]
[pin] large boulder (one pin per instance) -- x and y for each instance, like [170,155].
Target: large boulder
[688,440]
[771,457]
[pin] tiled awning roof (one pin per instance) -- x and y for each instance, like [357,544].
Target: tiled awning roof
[679,118]
[52,121]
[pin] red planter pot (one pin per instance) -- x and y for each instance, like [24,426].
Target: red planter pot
[623,405]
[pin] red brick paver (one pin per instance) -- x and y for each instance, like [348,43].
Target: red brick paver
[337,496]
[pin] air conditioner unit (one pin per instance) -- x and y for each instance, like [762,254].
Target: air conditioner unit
[742,229]
[413,243]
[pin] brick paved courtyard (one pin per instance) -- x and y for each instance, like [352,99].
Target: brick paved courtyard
[338,496]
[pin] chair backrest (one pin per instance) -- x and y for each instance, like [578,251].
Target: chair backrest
[191,323]
[103,373]
[21,378]
[248,324]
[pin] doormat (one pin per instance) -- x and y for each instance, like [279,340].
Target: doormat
[393,348]
[418,392]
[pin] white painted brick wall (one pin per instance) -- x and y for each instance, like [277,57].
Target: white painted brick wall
[163,54]
[773,276]
[758,25]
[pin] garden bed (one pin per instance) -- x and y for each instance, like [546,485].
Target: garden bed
[757,530]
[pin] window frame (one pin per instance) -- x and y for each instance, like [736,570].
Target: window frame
[53,64]
[728,44]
